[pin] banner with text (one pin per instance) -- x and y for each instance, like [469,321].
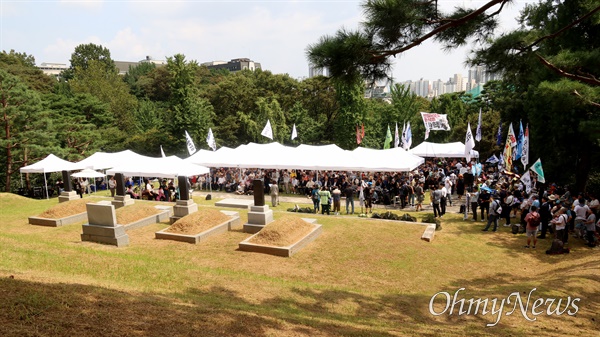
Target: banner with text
[433,121]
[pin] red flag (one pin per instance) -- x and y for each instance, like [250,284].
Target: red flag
[362,132]
[358,139]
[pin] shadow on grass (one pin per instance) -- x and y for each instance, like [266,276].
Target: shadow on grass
[514,243]
[33,309]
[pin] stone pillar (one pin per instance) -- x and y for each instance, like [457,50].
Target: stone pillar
[184,191]
[103,227]
[67,181]
[259,192]
[120,190]
[121,199]
[67,194]
[184,205]
[259,214]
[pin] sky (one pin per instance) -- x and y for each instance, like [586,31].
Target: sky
[275,33]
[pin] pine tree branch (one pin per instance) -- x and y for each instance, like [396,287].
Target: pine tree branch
[576,93]
[584,79]
[555,34]
[451,24]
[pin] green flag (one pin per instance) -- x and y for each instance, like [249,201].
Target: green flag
[388,139]
[537,168]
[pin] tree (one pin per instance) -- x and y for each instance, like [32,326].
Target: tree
[22,119]
[83,54]
[188,111]
[550,69]
[109,87]
[80,123]
[395,26]
[23,66]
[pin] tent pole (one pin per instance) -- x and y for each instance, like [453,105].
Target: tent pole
[46,186]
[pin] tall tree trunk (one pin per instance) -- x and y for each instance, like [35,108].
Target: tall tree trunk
[9,161]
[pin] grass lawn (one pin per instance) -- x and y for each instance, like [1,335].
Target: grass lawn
[361,277]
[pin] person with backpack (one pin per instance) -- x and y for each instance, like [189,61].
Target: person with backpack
[533,221]
[493,215]
[561,221]
[436,198]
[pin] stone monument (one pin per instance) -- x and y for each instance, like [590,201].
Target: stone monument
[259,214]
[67,194]
[103,227]
[184,205]
[121,199]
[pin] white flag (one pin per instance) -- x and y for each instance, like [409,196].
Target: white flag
[268,131]
[526,179]
[408,143]
[525,151]
[190,143]
[210,139]
[294,132]
[396,136]
[511,137]
[469,143]
[478,131]
[162,153]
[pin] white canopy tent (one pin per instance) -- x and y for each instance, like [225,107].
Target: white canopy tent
[50,164]
[167,167]
[312,157]
[87,173]
[451,150]
[105,160]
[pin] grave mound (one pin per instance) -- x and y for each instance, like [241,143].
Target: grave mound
[282,232]
[198,222]
[135,212]
[65,209]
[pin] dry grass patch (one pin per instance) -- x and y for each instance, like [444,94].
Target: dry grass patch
[198,222]
[135,212]
[65,209]
[283,232]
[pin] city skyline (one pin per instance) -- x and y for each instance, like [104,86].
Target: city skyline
[272,33]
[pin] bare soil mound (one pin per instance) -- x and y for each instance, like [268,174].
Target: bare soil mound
[135,212]
[65,209]
[283,232]
[198,222]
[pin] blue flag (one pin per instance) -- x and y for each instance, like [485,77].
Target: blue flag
[520,140]
[499,135]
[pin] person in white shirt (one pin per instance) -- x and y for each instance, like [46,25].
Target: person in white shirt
[590,226]
[581,210]
[444,200]
[560,221]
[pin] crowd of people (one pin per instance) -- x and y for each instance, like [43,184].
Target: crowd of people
[490,196]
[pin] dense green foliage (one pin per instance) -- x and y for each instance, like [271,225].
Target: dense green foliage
[91,108]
